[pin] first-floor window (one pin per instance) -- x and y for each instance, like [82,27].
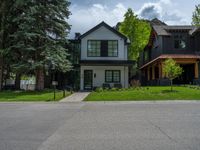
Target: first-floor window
[112,76]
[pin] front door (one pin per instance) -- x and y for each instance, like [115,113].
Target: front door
[88,75]
[187,76]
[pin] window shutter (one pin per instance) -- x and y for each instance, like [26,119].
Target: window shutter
[104,48]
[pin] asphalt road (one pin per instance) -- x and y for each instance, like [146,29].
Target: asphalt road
[100,126]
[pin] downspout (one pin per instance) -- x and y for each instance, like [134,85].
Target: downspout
[124,78]
[125,53]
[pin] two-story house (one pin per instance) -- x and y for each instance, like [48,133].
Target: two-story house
[181,43]
[104,58]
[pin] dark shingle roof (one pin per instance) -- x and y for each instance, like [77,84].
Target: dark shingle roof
[196,29]
[165,29]
[160,30]
[105,25]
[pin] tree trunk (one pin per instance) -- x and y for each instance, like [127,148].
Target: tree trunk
[171,82]
[17,81]
[40,79]
[2,42]
[1,73]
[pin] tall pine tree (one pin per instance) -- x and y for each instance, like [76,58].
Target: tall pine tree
[41,36]
[5,30]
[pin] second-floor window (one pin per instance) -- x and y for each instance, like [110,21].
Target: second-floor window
[102,48]
[94,48]
[179,42]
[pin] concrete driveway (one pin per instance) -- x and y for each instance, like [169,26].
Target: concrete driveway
[100,126]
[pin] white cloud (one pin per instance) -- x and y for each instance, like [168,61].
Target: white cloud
[163,10]
[82,19]
[168,2]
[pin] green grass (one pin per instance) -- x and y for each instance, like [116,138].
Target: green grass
[147,93]
[30,96]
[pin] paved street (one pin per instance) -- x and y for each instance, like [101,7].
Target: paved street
[100,126]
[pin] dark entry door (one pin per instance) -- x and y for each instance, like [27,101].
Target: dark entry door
[187,75]
[88,75]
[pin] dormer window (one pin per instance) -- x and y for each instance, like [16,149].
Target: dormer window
[102,48]
[179,42]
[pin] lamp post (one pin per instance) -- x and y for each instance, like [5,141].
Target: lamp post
[54,82]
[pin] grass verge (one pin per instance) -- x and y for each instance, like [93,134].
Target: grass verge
[146,93]
[31,96]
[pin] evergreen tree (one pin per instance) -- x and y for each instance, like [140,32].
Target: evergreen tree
[40,37]
[196,16]
[5,30]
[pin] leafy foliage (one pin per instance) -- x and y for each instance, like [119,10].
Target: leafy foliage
[172,70]
[138,32]
[196,16]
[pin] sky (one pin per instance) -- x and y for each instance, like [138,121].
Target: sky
[88,13]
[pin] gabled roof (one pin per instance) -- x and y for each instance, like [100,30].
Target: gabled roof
[160,30]
[195,30]
[156,21]
[164,30]
[106,26]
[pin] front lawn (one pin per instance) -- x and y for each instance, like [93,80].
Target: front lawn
[32,96]
[146,93]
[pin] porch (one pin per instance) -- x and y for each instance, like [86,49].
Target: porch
[152,72]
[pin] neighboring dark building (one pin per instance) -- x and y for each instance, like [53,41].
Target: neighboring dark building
[70,79]
[181,43]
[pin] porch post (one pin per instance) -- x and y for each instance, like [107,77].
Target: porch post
[153,72]
[160,70]
[162,65]
[148,72]
[196,68]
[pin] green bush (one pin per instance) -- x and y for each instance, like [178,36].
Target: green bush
[100,89]
[113,89]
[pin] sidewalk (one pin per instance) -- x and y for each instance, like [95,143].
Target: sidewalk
[76,97]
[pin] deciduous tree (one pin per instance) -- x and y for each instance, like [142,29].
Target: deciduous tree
[171,70]
[138,32]
[196,16]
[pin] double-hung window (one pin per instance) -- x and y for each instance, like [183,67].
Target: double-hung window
[112,76]
[112,48]
[102,48]
[94,48]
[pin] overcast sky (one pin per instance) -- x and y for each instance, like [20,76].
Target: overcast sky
[88,13]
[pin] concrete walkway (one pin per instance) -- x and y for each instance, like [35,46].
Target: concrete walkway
[76,97]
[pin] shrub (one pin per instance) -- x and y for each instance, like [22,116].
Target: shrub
[100,89]
[135,83]
[114,89]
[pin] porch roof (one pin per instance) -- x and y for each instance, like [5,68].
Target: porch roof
[173,56]
[107,62]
